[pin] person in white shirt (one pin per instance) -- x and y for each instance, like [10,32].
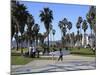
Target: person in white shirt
[33,51]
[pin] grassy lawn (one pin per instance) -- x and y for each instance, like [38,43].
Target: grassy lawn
[21,60]
[19,50]
[83,52]
[17,59]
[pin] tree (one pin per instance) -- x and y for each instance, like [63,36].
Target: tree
[60,25]
[30,24]
[78,26]
[36,29]
[69,28]
[84,27]
[50,34]
[17,39]
[72,35]
[69,25]
[46,16]
[63,25]
[41,39]
[91,18]
[53,32]
[18,18]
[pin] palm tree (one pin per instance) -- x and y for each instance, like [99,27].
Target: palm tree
[30,24]
[63,27]
[18,18]
[84,27]
[14,22]
[53,32]
[64,30]
[72,39]
[50,30]
[19,12]
[46,16]
[91,18]
[69,27]
[41,38]
[36,29]
[16,38]
[78,26]
[60,25]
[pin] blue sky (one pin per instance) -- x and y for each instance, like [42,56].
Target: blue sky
[60,11]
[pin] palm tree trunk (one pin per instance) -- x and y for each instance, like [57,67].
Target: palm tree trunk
[36,41]
[61,38]
[84,39]
[21,45]
[16,39]
[92,39]
[21,48]
[17,45]
[28,46]
[80,37]
[48,44]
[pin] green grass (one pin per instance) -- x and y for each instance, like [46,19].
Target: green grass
[82,51]
[20,60]
[19,50]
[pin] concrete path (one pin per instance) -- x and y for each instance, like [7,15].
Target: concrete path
[70,63]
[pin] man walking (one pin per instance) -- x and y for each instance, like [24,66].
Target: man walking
[60,55]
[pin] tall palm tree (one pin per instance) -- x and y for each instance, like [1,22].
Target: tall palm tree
[46,16]
[36,29]
[69,28]
[64,30]
[19,11]
[41,38]
[18,17]
[50,34]
[63,27]
[14,22]
[60,25]
[53,32]
[91,18]
[84,27]
[69,25]
[30,24]
[78,26]
[71,39]
[16,39]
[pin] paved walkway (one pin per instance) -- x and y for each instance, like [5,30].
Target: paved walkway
[70,63]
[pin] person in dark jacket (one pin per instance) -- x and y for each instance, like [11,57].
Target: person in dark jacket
[60,55]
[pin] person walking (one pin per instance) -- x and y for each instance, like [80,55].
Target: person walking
[60,55]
